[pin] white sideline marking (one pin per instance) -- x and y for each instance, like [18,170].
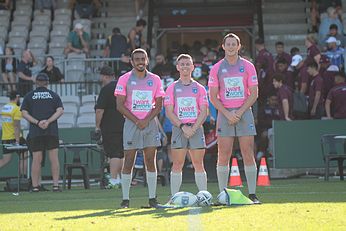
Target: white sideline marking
[194,219]
[294,193]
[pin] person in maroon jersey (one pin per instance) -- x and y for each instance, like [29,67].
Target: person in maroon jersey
[328,73]
[281,54]
[315,105]
[265,68]
[285,97]
[336,104]
[289,78]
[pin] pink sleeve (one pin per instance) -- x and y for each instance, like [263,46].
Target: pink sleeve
[203,98]
[159,89]
[213,79]
[120,89]
[169,97]
[251,75]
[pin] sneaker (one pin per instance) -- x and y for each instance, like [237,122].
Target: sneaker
[125,204]
[153,203]
[254,199]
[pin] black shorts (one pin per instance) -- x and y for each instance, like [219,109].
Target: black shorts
[5,150]
[113,144]
[43,143]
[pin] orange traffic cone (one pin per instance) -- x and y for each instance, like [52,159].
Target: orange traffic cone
[263,177]
[234,179]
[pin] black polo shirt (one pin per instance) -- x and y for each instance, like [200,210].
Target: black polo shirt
[54,74]
[112,121]
[41,104]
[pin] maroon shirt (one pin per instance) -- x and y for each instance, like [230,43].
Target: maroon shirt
[289,79]
[284,56]
[265,69]
[265,117]
[304,77]
[328,81]
[316,85]
[285,93]
[338,97]
[312,51]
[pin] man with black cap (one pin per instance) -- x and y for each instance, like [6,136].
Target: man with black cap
[11,134]
[110,123]
[42,108]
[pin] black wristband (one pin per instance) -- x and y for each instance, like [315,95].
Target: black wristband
[38,121]
[181,126]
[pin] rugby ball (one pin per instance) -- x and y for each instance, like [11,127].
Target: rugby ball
[184,199]
[222,198]
[204,198]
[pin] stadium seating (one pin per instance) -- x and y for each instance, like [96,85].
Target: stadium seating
[70,100]
[87,110]
[89,100]
[67,120]
[86,121]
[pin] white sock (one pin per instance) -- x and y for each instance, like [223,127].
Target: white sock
[176,179]
[113,181]
[201,180]
[222,176]
[125,185]
[152,182]
[251,175]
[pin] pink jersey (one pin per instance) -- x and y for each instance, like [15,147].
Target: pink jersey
[140,92]
[233,81]
[186,99]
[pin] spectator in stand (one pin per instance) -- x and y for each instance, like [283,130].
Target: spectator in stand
[5,5]
[266,115]
[335,53]
[9,69]
[45,4]
[289,78]
[25,77]
[294,69]
[52,71]
[201,70]
[77,41]
[135,37]
[316,101]
[336,104]
[281,54]
[285,97]
[85,8]
[328,73]
[326,22]
[116,45]
[265,68]
[333,32]
[210,59]
[165,70]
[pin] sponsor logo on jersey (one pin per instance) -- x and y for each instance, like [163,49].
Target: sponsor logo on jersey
[241,69]
[224,70]
[254,78]
[119,88]
[194,90]
[150,83]
[178,90]
[133,83]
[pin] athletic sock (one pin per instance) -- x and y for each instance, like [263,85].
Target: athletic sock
[251,174]
[222,176]
[152,182]
[125,185]
[201,180]
[176,179]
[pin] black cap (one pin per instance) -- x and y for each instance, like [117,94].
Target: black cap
[42,77]
[107,70]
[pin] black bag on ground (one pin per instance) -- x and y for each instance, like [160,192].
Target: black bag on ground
[12,185]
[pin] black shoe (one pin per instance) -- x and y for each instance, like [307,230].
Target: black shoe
[125,204]
[254,199]
[153,203]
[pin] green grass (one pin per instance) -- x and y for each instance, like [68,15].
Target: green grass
[300,204]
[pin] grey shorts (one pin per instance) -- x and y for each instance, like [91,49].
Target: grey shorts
[134,138]
[179,141]
[245,127]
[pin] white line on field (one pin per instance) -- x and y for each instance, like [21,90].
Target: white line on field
[194,219]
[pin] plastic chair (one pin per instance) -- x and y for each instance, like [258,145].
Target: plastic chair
[333,150]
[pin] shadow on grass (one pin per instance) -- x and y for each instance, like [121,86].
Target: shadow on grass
[154,213]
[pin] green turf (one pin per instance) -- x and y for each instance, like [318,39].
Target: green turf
[301,204]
